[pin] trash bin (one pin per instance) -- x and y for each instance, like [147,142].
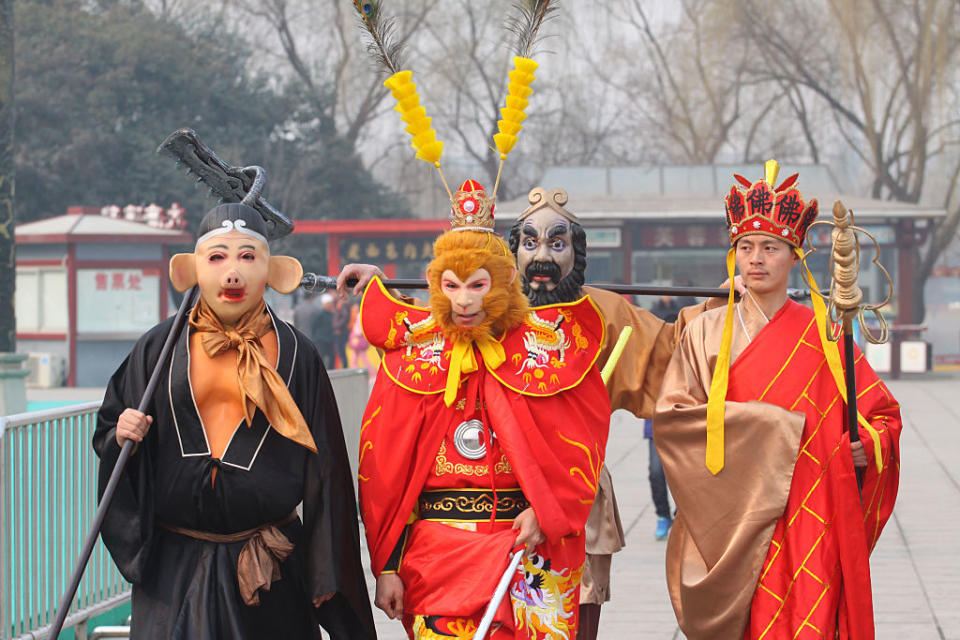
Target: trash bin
[909,353]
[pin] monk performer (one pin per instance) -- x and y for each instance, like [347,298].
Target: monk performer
[485,431]
[771,538]
[242,429]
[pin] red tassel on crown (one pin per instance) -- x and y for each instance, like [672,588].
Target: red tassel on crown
[759,208]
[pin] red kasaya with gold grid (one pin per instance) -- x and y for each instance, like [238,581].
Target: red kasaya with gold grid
[818,560]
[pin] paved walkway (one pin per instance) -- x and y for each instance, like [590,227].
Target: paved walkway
[916,565]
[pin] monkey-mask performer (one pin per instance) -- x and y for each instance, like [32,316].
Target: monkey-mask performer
[485,430]
[243,428]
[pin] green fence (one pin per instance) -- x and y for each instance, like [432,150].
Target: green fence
[48,489]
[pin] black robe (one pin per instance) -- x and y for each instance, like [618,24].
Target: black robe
[187,588]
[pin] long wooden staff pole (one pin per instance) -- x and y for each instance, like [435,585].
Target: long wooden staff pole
[315,282]
[178,323]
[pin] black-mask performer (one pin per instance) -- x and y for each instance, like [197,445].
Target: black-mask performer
[243,428]
[551,250]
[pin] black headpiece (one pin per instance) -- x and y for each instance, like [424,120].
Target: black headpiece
[232,216]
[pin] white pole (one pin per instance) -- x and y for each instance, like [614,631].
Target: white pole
[498,594]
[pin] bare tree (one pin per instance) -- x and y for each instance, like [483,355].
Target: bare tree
[460,58]
[687,91]
[319,42]
[467,49]
[884,68]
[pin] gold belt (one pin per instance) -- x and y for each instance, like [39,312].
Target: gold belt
[471,504]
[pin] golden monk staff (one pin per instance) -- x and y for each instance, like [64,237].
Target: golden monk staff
[844,304]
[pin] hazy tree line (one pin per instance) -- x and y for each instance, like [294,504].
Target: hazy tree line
[869,87]
[100,84]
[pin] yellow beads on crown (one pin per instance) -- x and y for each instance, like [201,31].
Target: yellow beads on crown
[424,138]
[513,114]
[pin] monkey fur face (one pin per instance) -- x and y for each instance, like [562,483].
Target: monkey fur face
[482,260]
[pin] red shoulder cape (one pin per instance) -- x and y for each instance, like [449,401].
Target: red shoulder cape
[551,351]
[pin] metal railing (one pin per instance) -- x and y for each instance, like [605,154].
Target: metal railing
[48,495]
[351,388]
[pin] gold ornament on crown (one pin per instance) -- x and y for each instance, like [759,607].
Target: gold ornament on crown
[472,208]
[539,198]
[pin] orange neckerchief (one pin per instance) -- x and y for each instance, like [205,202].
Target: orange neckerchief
[260,384]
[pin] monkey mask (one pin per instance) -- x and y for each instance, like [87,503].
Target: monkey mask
[464,255]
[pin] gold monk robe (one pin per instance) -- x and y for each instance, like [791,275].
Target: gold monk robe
[633,386]
[636,379]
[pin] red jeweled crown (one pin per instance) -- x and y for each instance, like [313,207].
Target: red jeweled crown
[472,208]
[759,208]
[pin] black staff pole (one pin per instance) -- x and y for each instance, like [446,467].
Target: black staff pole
[178,323]
[850,376]
[315,282]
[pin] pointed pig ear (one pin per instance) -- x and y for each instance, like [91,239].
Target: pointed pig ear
[183,271]
[284,274]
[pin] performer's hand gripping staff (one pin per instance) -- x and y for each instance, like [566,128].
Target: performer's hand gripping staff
[231,184]
[844,303]
[515,559]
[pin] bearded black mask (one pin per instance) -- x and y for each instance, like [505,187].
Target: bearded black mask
[567,289]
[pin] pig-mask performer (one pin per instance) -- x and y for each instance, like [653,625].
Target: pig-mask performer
[242,429]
